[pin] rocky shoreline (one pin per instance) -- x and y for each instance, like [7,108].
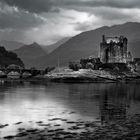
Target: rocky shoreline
[128,129]
[81,76]
[93,76]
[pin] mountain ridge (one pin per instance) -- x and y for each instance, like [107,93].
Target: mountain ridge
[52,47]
[30,53]
[11,45]
[87,44]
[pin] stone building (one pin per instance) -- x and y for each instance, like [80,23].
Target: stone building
[114,50]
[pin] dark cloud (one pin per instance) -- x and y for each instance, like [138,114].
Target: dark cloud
[52,19]
[35,6]
[99,3]
[19,20]
[39,6]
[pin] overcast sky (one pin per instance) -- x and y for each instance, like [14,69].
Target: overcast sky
[46,21]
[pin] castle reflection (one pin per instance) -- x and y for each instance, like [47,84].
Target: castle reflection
[116,102]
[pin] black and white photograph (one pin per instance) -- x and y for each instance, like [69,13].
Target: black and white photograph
[69,69]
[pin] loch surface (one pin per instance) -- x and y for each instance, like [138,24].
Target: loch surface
[22,105]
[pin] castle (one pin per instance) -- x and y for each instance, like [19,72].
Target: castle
[114,54]
[114,50]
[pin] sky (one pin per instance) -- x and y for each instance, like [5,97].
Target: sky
[47,21]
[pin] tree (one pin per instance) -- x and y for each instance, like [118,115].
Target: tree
[74,66]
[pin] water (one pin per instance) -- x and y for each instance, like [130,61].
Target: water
[29,103]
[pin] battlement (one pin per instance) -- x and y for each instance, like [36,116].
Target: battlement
[114,40]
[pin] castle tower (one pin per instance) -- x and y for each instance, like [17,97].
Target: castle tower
[113,49]
[125,49]
[103,50]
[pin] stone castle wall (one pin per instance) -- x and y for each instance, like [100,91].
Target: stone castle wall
[113,50]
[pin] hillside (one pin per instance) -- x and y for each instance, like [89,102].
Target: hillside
[87,44]
[52,47]
[8,58]
[30,53]
[11,45]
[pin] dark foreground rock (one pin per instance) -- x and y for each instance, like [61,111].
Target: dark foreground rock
[128,129]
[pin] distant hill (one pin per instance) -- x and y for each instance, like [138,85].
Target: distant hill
[30,53]
[87,44]
[52,47]
[11,45]
[8,58]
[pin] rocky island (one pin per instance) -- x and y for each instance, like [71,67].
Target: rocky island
[115,63]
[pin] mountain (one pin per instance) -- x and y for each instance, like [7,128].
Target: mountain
[8,58]
[87,44]
[11,45]
[30,53]
[52,47]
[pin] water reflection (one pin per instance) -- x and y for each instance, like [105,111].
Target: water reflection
[119,101]
[112,109]
[26,102]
